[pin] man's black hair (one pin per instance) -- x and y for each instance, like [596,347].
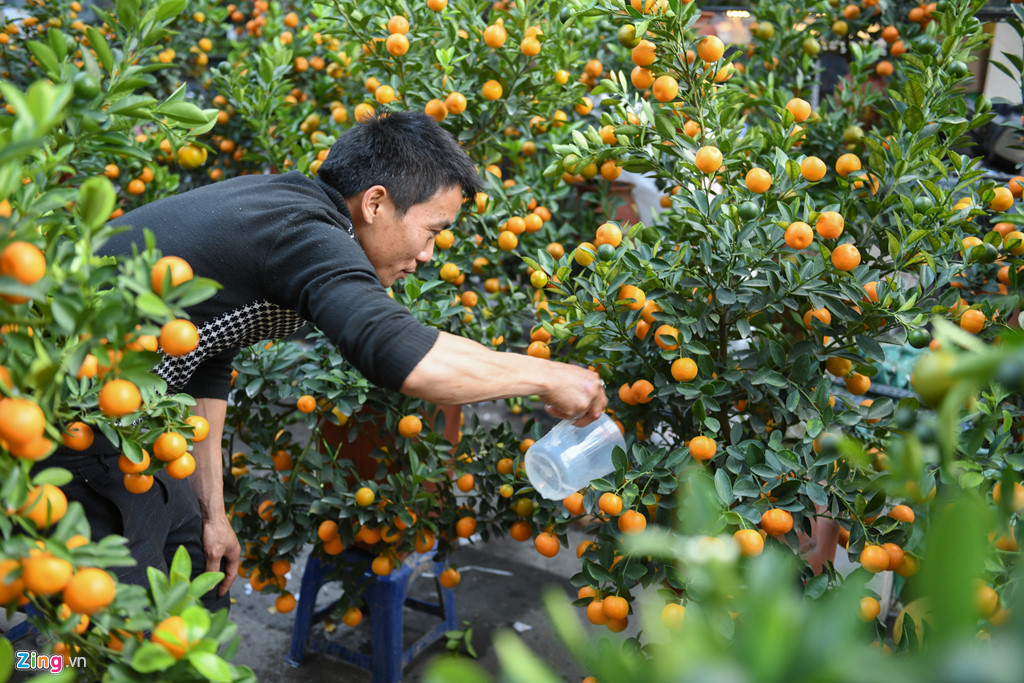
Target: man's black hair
[406,152]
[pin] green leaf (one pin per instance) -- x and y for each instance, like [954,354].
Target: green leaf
[96,201]
[57,476]
[135,105]
[199,289]
[595,573]
[150,657]
[816,586]
[211,115]
[184,112]
[71,522]
[532,263]
[698,410]
[132,450]
[553,169]
[801,370]
[619,459]
[665,127]
[46,103]
[44,54]
[870,348]
[181,565]
[848,418]
[152,305]
[128,12]
[826,457]
[54,199]
[64,308]
[793,400]
[914,118]
[637,164]
[916,93]
[15,98]
[881,407]
[452,669]
[1005,69]
[816,492]
[566,623]
[204,583]
[210,665]
[777,353]
[518,663]
[769,377]
[99,44]
[743,327]
[724,487]
[971,480]
[580,140]
[197,620]
[6,660]
[792,169]
[58,42]
[170,8]
[158,587]
[956,541]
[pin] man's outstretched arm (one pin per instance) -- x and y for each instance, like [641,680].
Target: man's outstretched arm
[458,370]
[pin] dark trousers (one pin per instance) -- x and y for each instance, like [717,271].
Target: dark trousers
[156,523]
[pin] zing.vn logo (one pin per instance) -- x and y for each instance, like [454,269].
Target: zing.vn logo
[28,660]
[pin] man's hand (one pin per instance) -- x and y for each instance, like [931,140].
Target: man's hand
[577,394]
[221,543]
[820,546]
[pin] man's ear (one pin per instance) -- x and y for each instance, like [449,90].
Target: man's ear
[375,200]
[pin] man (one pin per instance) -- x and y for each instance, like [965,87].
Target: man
[288,249]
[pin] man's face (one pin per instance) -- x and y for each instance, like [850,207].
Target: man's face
[396,244]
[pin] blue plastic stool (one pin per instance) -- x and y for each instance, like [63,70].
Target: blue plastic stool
[23,629]
[385,599]
[19,631]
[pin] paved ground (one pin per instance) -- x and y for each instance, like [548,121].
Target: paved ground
[502,582]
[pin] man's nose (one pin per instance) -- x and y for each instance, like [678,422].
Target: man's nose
[428,253]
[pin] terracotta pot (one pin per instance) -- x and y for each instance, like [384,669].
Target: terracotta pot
[590,199]
[372,436]
[704,26]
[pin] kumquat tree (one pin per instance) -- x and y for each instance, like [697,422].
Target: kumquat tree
[80,336]
[749,615]
[727,324]
[812,223]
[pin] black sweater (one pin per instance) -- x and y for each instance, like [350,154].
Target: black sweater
[283,248]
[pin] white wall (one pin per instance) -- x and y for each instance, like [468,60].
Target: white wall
[998,84]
